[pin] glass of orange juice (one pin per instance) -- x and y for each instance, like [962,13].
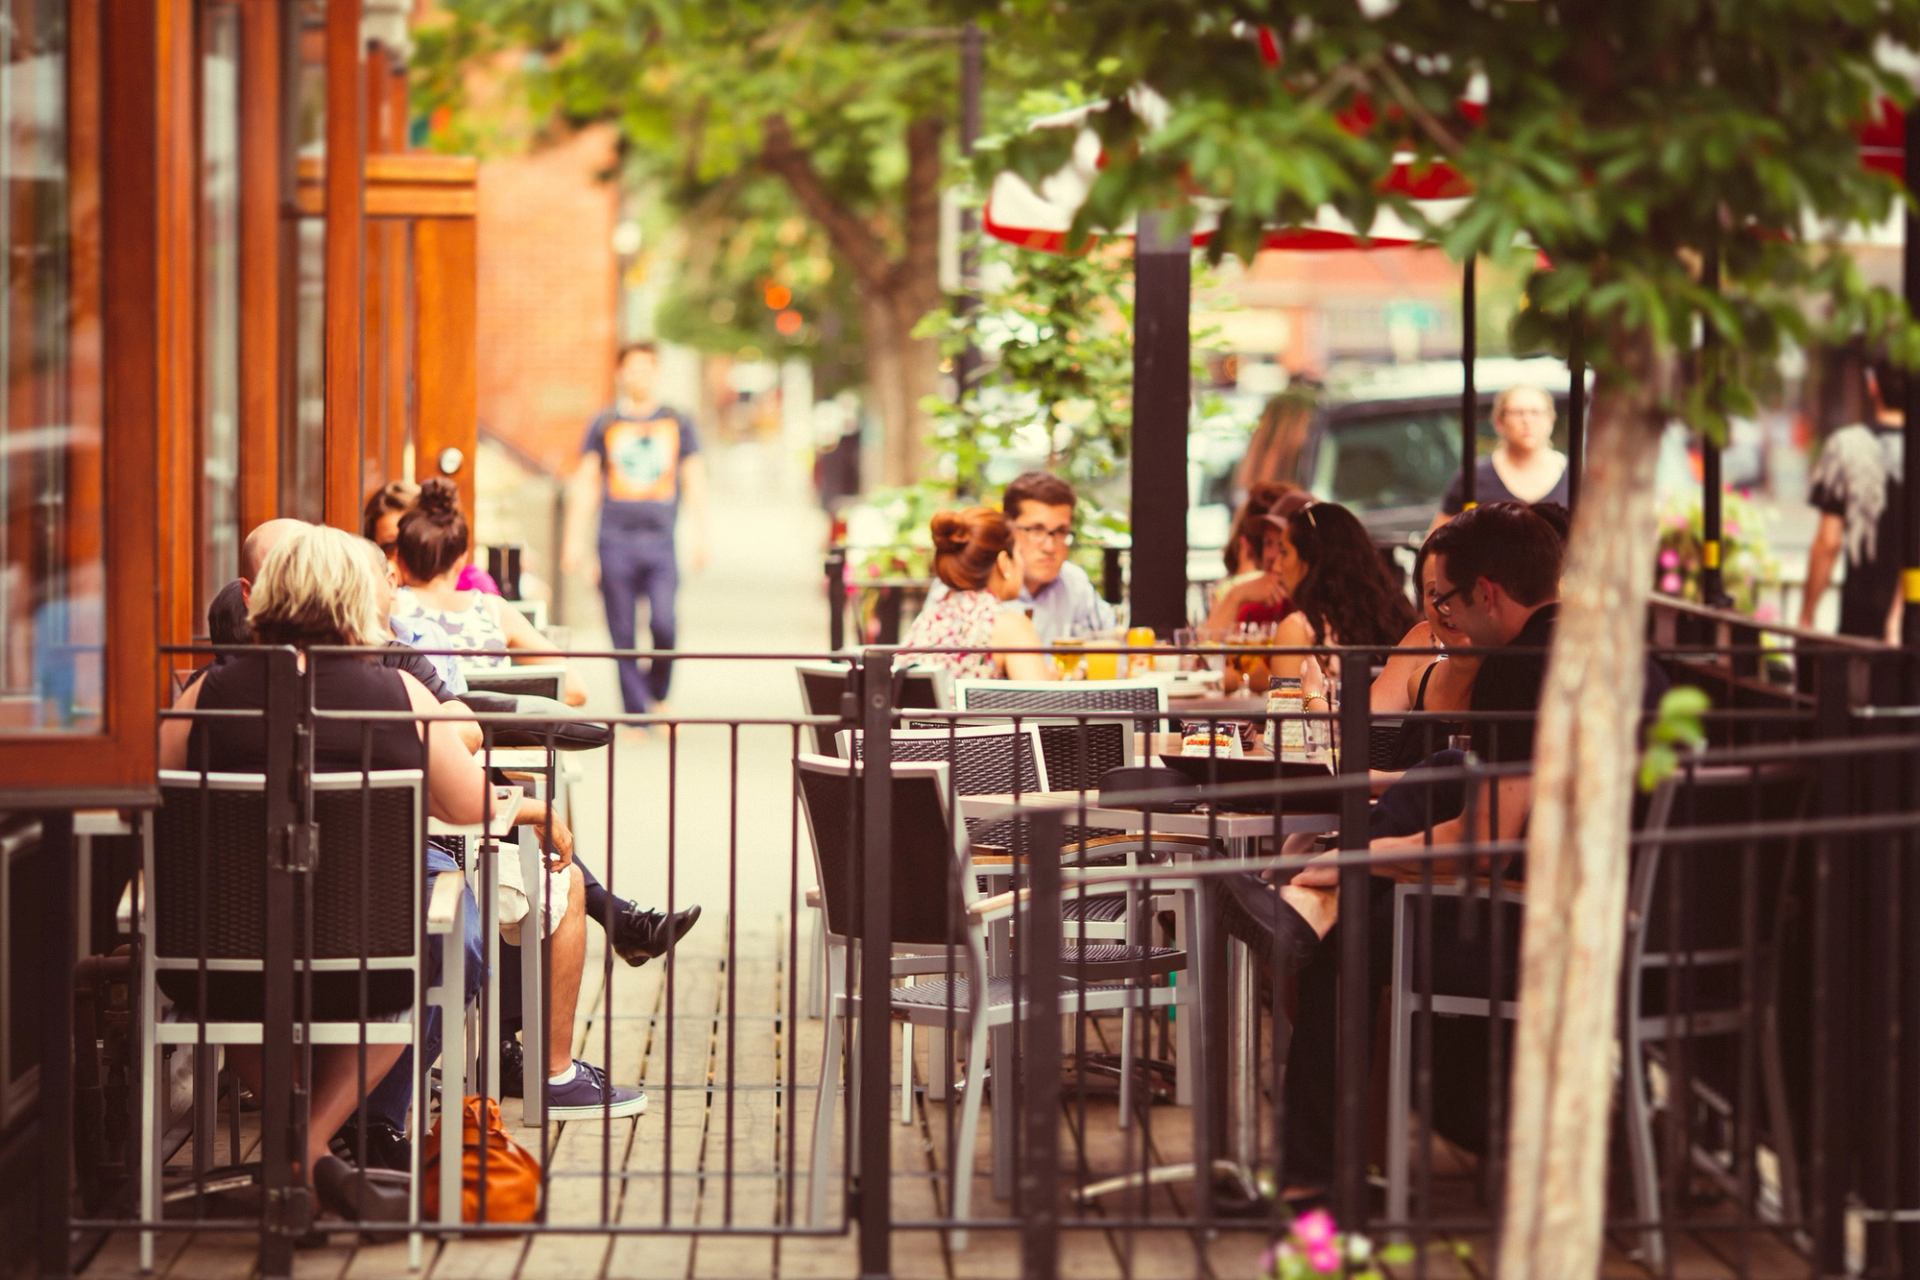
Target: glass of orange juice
[1104,666]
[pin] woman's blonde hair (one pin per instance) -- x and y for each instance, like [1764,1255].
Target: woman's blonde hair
[319,586]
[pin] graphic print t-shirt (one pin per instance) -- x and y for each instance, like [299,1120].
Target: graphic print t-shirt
[640,460]
[1857,477]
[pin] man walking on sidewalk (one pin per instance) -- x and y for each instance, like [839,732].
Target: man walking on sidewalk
[639,461]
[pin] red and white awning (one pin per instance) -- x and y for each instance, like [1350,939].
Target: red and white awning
[1041,217]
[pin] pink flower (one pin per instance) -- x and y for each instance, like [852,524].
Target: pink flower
[1669,559]
[1270,1260]
[1670,583]
[1730,528]
[1766,613]
[1325,1259]
[1314,1230]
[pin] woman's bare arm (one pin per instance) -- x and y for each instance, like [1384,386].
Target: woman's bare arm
[1014,630]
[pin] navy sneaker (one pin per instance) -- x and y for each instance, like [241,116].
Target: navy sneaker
[589,1095]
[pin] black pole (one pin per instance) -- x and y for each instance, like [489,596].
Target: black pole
[1576,410]
[287,1211]
[1712,594]
[59,908]
[1039,1066]
[875,846]
[1469,397]
[1354,1028]
[972,70]
[1910,466]
[836,598]
[1908,1243]
[1161,391]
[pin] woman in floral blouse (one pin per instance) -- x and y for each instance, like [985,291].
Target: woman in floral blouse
[975,554]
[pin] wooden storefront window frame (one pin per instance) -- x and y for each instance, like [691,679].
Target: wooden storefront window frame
[117,99]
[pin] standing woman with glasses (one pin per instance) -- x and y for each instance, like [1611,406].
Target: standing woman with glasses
[1525,468]
[1337,580]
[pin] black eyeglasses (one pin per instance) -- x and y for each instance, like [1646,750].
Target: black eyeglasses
[1439,602]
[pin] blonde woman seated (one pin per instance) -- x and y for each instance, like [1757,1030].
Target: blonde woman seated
[975,554]
[322,587]
[431,548]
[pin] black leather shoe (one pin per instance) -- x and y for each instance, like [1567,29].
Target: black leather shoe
[1254,912]
[513,1069]
[387,1147]
[640,935]
[380,1196]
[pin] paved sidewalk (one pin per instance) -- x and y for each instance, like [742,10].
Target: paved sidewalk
[761,592]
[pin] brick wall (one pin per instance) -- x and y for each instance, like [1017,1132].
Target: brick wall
[547,293]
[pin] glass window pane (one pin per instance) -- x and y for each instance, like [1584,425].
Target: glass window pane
[52,580]
[303,452]
[219,517]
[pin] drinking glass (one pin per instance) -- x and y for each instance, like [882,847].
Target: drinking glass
[1068,657]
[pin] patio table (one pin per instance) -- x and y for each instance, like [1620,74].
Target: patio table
[1232,1073]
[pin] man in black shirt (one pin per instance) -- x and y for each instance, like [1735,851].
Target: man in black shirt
[1856,486]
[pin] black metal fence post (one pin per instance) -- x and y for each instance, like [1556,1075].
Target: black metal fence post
[286,1211]
[1040,933]
[836,598]
[1831,1172]
[59,906]
[1356,984]
[876,930]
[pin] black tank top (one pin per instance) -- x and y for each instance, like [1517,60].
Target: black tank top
[340,683]
[1420,739]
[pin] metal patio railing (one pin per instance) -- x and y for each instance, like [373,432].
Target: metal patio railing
[1765,1110]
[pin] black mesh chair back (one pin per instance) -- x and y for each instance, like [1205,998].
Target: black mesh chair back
[1383,743]
[543,680]
[210,865]
[823,687]
[1075,754]
[990,760]
[1061,697]
[1686,900]
[925,853]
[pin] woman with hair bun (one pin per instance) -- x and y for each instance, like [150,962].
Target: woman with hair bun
[975,554]
[430,548]
[380,525]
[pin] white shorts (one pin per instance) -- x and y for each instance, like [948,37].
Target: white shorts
[511,897]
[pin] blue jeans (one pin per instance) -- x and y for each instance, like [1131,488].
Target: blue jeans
[390,1099]
[629,570]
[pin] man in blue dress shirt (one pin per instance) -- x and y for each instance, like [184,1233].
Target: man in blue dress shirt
[1057,592]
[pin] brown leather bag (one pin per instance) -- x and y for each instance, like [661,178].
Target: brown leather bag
[513,1175]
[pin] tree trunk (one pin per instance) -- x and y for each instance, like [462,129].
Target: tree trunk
[1577,844]
[901,371]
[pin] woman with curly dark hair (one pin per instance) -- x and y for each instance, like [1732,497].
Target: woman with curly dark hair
[1256,597]
[1340,587]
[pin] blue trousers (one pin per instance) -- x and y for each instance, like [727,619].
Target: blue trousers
[630,570]
[390,1099]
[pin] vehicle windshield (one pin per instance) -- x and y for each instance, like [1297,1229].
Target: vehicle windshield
[1400,459]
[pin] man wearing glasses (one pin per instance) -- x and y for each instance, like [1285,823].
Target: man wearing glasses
[1057,592]
[1061,596]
